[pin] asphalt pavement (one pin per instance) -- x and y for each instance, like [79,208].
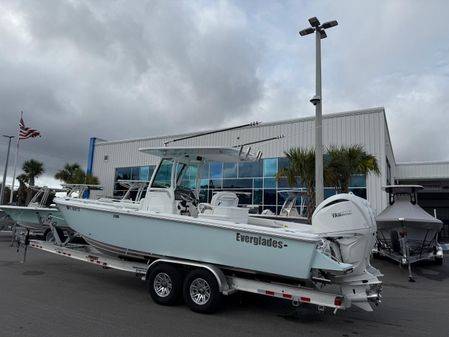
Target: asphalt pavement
[51,295]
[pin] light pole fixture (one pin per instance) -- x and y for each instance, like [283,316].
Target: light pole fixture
[317,101]
[6,170]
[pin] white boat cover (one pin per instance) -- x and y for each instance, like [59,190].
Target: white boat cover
[404,211]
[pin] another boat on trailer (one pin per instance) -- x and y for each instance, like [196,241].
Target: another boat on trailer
[406,233]
[40,213]
[193,248]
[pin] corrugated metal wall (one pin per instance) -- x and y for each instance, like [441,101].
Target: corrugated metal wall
[365,127]
[423,170]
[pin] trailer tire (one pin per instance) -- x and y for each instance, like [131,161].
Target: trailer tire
[49,237]
[201,292]
[164,284]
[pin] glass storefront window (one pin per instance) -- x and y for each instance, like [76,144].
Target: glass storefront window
[257,197]
[250,169]
[329,191]
[216,170]
[229,170]
[357,181]
[215,183]
[270,167]
[282,183]
[123,173]
[237,183]
[135,173]
[144,173]
[256,178]
[269,197]
[258,183]
[269,183]
[204,171]
[282,163]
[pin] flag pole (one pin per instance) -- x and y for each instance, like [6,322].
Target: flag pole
[15,163]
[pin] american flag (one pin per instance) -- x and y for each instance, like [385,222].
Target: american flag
[25,133]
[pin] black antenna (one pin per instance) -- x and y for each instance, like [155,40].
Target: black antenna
[212,132]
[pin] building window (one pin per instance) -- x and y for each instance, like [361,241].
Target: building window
[131,173]
[250,169]
[229,170]
[270,167]
[216,169]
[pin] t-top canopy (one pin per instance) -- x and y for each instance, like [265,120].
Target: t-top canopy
[224,154]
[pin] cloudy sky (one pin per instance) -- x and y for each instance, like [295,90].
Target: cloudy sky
[129,69]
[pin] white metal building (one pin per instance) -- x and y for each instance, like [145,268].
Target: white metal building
[121,159]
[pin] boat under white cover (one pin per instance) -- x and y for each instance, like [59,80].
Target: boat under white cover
[404,228]
[168,222]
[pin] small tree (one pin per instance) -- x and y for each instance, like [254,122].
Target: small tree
[343,162]
[301,167]
[73,174]
[32,169]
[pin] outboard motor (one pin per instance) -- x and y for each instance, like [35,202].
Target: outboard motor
[347,225]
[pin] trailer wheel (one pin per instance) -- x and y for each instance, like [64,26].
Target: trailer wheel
[165,283]
[201,292]
[49,237]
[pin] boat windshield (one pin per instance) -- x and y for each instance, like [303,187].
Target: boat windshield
[162,178]
[189,178]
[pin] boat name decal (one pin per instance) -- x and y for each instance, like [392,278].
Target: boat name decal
[259,241]
[342,213]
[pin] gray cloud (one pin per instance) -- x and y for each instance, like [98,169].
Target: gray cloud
[130,69]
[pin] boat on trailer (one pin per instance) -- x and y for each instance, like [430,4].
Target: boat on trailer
[406,233]
[40,214]
[175,234]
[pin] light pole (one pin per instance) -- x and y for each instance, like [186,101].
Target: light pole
[317,100]
[6,170]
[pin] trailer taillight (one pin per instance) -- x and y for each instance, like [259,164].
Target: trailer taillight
[338,301]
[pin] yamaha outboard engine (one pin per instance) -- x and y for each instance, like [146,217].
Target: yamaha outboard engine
[347,225]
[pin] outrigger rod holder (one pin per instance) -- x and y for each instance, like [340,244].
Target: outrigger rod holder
[199,134]
[261,141]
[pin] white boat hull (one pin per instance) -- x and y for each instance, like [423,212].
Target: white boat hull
[239,246]
[35,218]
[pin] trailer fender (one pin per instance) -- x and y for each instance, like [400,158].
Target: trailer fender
[223,285]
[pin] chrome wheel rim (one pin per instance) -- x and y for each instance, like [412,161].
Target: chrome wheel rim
[162,285]
[200,291]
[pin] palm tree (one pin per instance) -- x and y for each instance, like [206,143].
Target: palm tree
[301,167]
[32,169]
[69,174]
[73,174]
[22,191]
[343,162]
